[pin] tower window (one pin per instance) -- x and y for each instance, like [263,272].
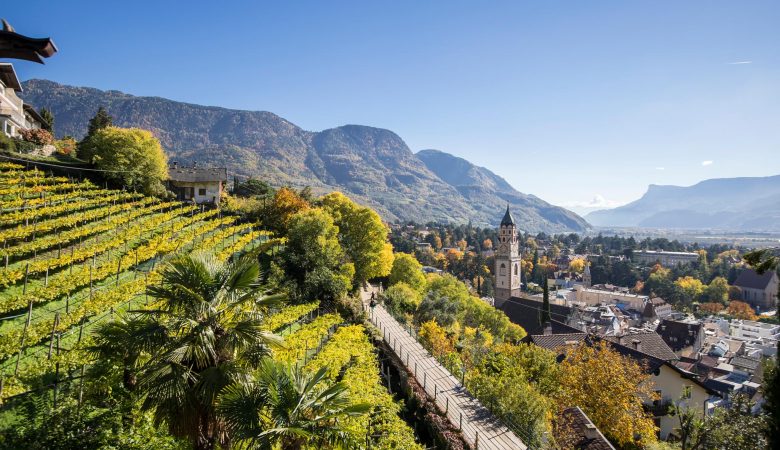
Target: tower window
[515,269]
[502,269]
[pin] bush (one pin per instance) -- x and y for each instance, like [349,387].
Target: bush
[24,146]
[37,136]
[402,299]
[7,143]
[66,146]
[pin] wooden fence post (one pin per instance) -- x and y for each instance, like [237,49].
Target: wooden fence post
[24,335]
[53,330]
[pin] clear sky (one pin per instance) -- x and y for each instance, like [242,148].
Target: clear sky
[571,101]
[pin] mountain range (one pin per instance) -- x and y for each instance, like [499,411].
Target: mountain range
[734,204]
[372,165]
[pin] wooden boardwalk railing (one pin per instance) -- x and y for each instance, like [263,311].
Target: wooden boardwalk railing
[480,428]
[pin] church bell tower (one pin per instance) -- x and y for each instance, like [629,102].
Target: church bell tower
[508,268]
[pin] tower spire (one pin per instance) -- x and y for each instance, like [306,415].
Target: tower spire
[508,219]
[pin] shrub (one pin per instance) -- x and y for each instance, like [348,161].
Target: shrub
[7,143]
[66,146]
[37,136]
[22,146]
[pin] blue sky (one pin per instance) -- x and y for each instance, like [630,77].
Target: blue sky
[571,101]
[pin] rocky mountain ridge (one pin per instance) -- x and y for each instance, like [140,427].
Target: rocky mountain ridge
[372,165]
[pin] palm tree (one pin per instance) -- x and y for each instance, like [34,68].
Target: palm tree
[203,334]
[289,408]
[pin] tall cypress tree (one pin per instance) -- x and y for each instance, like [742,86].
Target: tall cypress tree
[545,301]
[48,120]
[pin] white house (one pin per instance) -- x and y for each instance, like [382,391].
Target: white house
[14,114]
[200,185]
[749,329]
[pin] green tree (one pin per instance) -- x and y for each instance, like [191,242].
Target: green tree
[402,299]
[98,122]
[101,120]
[717,291]
[362,235]
[516,382]
[406,269]
[545,312]
[213,337]
[289,409]
[251,188]
[48,120]
[131,156]
[735,428]
[313,258]
[763,261]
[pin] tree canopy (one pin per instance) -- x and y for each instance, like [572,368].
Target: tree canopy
[131,156]
[362,235]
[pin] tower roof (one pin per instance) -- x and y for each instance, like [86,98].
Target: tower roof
[508,219]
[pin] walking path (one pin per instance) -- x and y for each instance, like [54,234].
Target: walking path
[480,428]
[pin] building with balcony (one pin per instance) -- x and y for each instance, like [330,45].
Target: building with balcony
[15,115]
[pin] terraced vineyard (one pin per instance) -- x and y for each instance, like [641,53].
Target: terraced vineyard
[74,254]
[326,341]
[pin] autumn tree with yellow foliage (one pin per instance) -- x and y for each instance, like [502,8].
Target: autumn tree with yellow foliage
[609,388]
[285,204]
[577,265]
[362,235]
[434,338]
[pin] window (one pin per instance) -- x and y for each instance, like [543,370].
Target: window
[202,191]
[686,393]
[515,269]
[502,269]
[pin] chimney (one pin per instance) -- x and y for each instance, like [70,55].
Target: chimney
[195,165]
[175,164]
[637,345]
[590,431]
[547,329]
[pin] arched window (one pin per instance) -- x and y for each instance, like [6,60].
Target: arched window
[502,269]
[515,269]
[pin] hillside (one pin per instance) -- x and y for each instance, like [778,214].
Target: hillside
[489,192]
[372,165]
[738,204]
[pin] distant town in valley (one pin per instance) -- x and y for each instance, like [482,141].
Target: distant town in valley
[176,276]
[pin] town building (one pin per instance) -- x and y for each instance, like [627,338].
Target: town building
[15,115]
[683,337]
[667,259]
[657,308]
[199,185]
[749,329]
[507,270]
[759,290]
[594,297]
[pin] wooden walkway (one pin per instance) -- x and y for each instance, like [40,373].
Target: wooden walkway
[480,428]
